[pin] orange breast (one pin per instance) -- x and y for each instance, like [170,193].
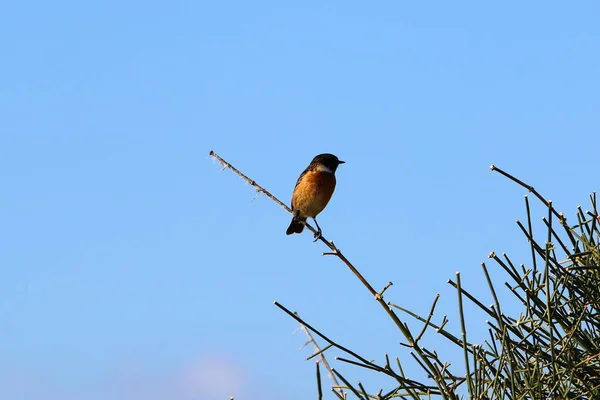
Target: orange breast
[313,192]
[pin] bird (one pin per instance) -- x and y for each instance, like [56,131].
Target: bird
[313,191]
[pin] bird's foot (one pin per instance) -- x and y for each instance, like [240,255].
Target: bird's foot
[317,235]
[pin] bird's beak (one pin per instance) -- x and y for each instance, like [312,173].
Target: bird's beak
[341,162]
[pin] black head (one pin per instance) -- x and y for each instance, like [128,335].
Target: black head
[327,160]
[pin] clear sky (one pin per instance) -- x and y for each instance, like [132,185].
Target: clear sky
[132,268]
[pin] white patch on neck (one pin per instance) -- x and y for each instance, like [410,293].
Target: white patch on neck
[322,168]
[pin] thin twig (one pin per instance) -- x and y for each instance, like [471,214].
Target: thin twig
[320,352]
[560,217]
[319,389]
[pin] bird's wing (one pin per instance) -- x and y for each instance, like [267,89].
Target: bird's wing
[298,182]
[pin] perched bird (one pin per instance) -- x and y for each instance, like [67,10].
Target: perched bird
[313,191]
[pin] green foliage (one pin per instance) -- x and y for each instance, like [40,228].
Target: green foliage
[552,349]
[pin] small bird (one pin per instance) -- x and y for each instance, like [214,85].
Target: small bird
[313,191]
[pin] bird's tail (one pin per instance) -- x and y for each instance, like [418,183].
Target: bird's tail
[296,226]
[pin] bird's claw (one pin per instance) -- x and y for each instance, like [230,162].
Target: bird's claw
[317,235]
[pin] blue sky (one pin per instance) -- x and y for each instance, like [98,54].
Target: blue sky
[133,268]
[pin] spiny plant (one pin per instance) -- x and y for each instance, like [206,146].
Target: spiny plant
[551,350]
